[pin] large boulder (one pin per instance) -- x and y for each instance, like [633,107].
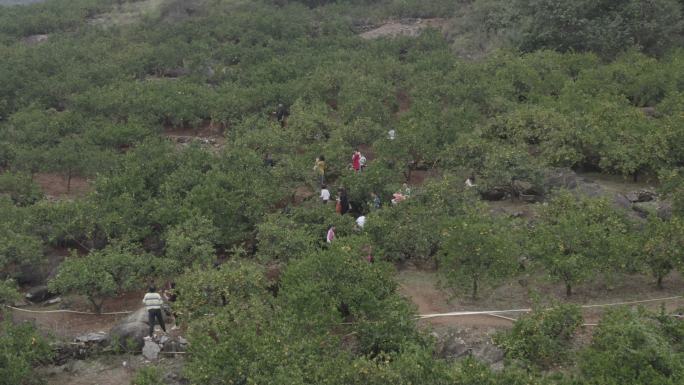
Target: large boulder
[151,350]
[622,202]
[453,347]
[494,194]
[590,189]
[39,294]
[664,210]
[98,338]
[644,195]
[645,209]
[488,353]
[560,178]
[139,315]
[130,333]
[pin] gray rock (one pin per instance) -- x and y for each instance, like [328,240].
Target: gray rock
[649,111]
[99,338]
[645,209]
[139,315]
[38,294]
[55,370]
[151,350]
[644,195]
[665,210]
[590,189]
[454,347]
[54,301]
[173,345]
[494,194]
[488,353]
[622,202]
[35,39]
[129,336]
[182,341]
[561,178]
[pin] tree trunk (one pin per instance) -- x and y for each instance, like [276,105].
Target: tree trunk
[474,293]
[660,282]
[97,306]
[568,290]
[68,182]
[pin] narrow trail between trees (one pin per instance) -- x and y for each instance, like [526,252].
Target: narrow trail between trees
[437,310]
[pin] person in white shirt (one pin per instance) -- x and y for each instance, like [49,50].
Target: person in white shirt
[325,194]
[470,182]
[153,303]
[361,221]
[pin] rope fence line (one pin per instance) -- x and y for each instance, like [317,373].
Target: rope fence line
[493,313]
[66,311]
[496,313]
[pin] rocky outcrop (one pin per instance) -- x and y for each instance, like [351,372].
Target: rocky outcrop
[129,334]
[644,195]
[456,344]
[39,294]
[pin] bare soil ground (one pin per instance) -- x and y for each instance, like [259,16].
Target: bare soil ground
[70,325]
[422,288]
[107,370]
[127,13]
[54,186]
[403,27]
[208,133]
[419,177]
[616,183]
[404,101]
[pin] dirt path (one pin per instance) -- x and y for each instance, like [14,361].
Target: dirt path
[54,186]
[208,134]
[421,287]
[71,325]
[403,27]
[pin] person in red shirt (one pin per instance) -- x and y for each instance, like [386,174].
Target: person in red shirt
[356,160]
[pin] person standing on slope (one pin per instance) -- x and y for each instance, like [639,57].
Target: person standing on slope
[330,235]
[342,201]
[319,168]
[356,160]
[153,303]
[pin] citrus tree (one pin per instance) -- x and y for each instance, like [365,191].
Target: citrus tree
[478,249]
[577,237]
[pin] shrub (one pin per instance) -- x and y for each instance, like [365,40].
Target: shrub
[21,348]
[280,238]
[192,242]
[20,188]
[544,337]
[629,347]
[148,375]
[231,285]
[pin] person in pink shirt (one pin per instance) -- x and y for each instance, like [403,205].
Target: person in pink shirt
[331,234]
[356,160]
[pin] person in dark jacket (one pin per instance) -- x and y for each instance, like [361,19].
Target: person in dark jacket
[281,114]
[343,201]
